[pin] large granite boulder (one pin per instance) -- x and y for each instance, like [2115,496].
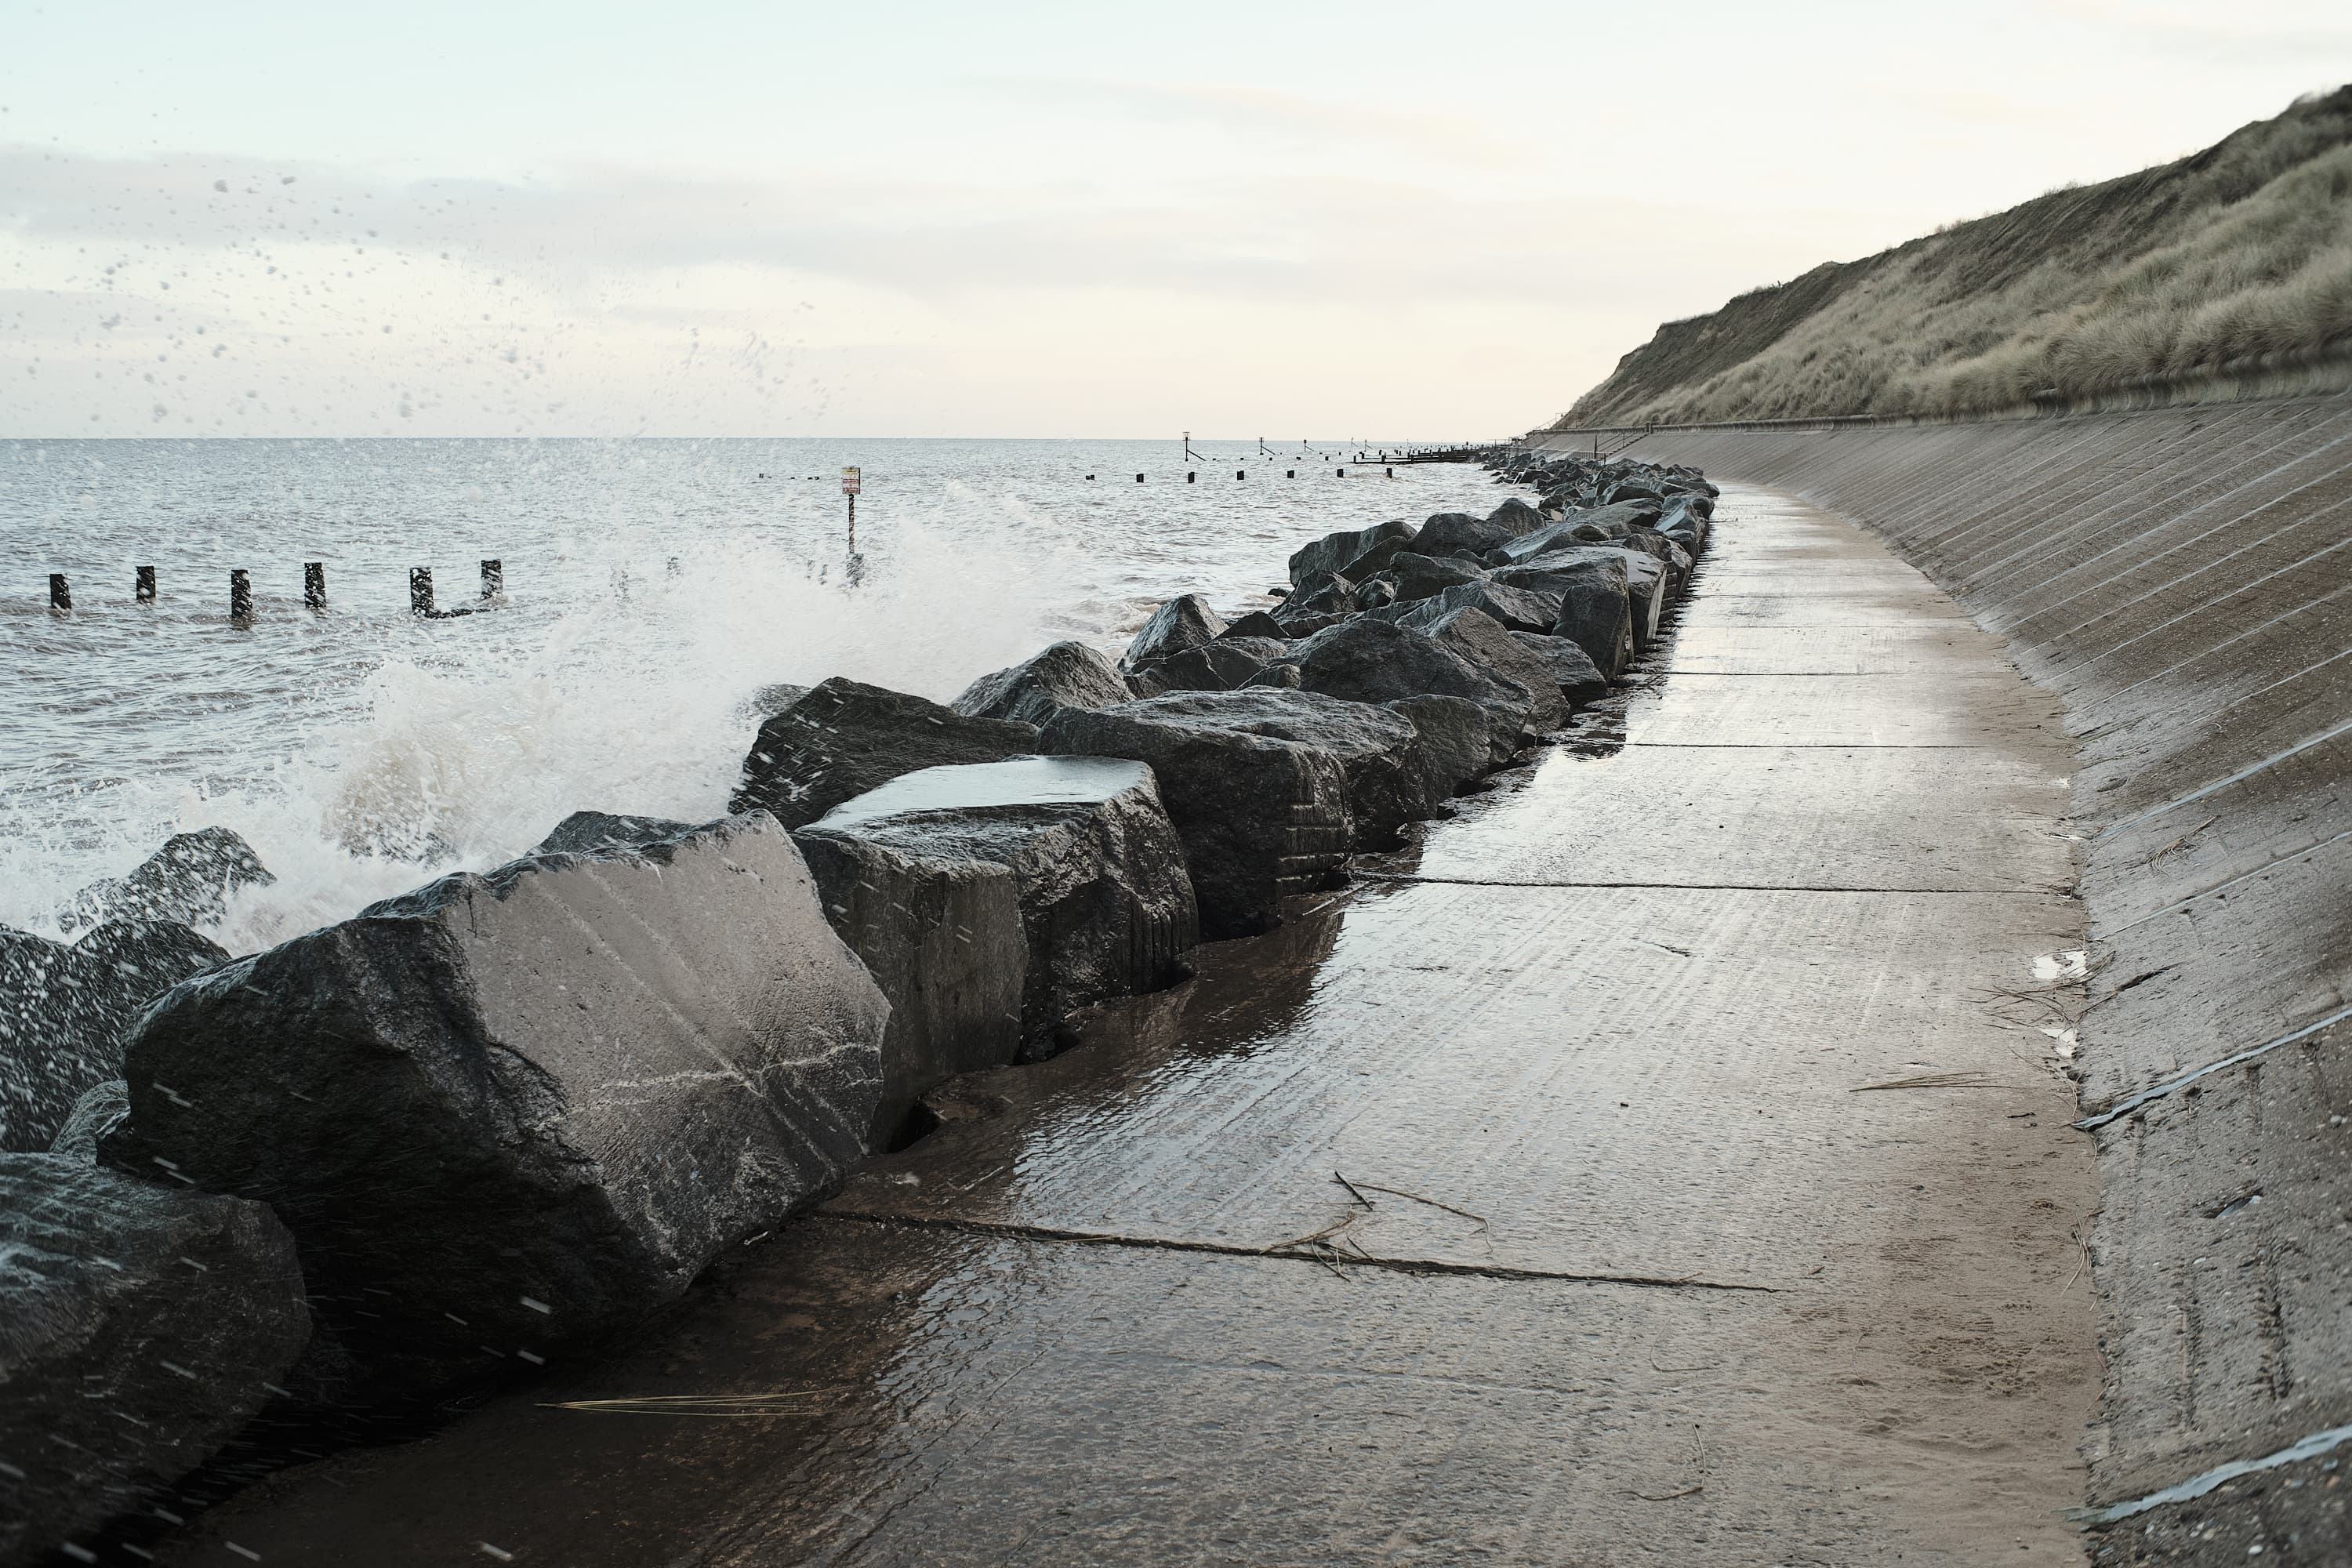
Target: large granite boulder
[1353,554]
[1571,670]
[1418,576]
[1256,623]
[102,1107]
[1391,776]
[64,1009]
[509,1113]
[1218,665]
[1666,553]
[188,882]
[1646,590]
[1177,624]
[1453,739]
[1106,905]
[1369,661]
[1319,594]
[1488,643]
[1261,819]
[1067,675]
[845,738]
[1513,607]
[1517,516]
[602,832]
[942,936]
[141,1326]
[1451,530]
[1594,592]
[1587,526]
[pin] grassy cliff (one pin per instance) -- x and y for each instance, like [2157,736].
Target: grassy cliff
[2244,249]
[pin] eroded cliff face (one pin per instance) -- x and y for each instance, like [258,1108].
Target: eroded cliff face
[2178,578]
[2239,255]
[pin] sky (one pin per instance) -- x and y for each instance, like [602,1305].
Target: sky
[1365,220]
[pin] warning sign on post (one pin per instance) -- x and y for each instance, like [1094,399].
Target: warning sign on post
[852,481]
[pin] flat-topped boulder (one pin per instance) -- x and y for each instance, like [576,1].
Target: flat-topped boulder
[1391,776]
[141,1326]
[1106,905]
[64,1009]
[1261,818]
[188,882]
[1067,675]
[1354,553]
[1370,660]
[1181,623]
[509,1113]
[845,738]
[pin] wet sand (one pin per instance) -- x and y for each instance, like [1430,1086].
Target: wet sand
[1713,1194]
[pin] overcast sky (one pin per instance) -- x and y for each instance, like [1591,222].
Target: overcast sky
[1364,220]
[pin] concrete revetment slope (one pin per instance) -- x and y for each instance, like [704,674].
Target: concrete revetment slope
[2183,580]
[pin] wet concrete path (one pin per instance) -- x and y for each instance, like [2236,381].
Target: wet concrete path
[1712,1194]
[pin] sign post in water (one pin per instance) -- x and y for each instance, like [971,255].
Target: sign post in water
[852,481]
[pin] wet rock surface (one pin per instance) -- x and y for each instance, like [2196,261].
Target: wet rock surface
[1178,626]
[1391,776]
[141,1325]
[845,738]
[1485,642]
[1261,819]
[1353,554]
[1218,665]
[943,938]
[1593,590]
[1375,661]
[1579,678]
[510,1113]
[64,1008]
[1067,675]
[187,882]
[1106,902]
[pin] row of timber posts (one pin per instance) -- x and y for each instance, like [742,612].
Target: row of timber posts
[314,590]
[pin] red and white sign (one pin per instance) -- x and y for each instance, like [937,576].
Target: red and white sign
[852,481]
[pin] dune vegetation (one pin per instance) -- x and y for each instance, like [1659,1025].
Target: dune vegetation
[2191,268]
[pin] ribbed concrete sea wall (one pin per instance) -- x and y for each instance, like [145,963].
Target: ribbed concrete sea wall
[2182,578]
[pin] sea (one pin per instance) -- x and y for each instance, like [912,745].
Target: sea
[653,592]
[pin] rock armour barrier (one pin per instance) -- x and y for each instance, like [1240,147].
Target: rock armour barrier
[507,1115]
[2182,579]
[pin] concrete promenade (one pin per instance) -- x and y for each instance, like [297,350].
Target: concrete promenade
[1713,1197]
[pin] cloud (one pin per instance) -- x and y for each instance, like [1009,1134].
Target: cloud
[139,225]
